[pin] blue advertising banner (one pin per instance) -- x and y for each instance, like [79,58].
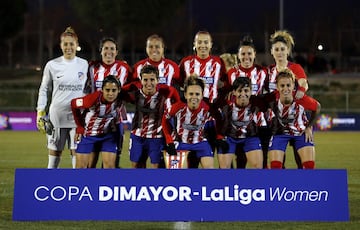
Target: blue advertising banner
[338,122]
[181,195]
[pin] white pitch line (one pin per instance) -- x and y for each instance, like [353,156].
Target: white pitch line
[182,225]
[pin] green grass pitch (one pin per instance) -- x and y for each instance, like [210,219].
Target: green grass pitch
[334,150]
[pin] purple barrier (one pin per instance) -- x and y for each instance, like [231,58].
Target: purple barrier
[18,121]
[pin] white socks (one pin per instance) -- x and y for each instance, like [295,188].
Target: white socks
[73,160]
[53,162]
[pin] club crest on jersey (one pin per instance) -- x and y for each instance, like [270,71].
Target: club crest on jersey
[114,72]
[81,75]
[178,161]
[79,102]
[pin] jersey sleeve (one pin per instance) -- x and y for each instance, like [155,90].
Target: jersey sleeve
[78,105]
[298,71]
[309,103]
[45,87]
[174,95]
[166,121]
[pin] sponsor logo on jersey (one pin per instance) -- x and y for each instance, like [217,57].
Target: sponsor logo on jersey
[208,80]
[162,80]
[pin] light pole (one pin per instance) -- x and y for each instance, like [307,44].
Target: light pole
[281,14]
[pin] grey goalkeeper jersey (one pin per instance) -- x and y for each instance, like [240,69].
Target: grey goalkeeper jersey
[64,80]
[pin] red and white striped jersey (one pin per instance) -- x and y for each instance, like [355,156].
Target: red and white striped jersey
[101,115]
[292,119]
[189,124]
[270,83]
[149,111]
[240,122]
[168,70]
[211,70]
[99,70]
[256,74]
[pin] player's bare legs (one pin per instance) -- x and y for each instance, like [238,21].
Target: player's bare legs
[108,159]
[255,159]
[225,160]
[207,162]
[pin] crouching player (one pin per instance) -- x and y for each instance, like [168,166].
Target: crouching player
[97,128]
[189,122]
[239,126]
[290,123]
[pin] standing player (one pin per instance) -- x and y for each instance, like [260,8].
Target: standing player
[282,44]
[209,68]
[98,70]
[155,48]
[247,67]
[189,122]
[98,128]
[64,77]
[257,75]
[149,98]
[290,123]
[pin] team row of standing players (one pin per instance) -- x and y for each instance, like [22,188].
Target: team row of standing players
[198,105]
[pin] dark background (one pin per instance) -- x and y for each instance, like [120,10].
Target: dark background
[31,28]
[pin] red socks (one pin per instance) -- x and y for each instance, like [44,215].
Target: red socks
[276,165]
[309,165]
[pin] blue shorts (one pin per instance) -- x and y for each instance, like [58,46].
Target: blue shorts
[280,142]
[103,143]
[250,144]
[152,147]
[119,138]
[202,149]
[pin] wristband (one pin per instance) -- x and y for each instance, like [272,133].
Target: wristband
[302,89]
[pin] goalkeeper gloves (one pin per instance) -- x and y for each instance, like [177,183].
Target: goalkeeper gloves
[49,127]
[40,124]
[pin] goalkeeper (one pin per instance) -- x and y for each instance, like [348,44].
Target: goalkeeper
[64,79]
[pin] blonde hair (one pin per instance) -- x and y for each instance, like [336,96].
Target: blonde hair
[286,73]
[283,36]
[69,31]
[230,60]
